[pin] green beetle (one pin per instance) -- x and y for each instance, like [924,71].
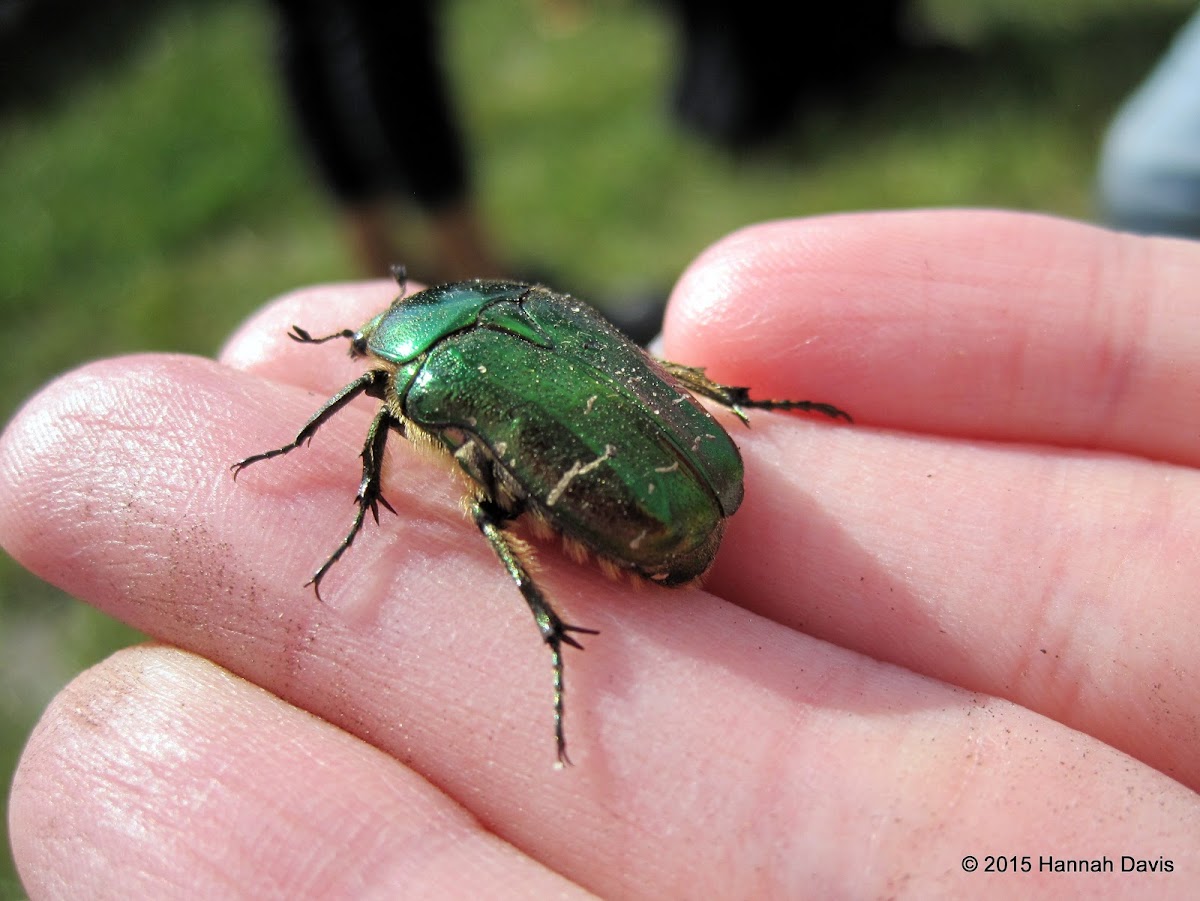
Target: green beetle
[550,411]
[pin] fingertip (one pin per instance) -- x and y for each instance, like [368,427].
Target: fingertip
[262,344]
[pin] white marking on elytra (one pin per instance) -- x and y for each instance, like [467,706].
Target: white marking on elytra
[577,469]
[464,451]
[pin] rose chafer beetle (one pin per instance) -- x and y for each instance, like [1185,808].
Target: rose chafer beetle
[551,412]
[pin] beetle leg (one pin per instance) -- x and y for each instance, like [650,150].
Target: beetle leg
[369,495]
[364,383]
[490,519]
[738,399]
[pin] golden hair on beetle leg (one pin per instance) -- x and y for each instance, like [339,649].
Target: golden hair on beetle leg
[576,550]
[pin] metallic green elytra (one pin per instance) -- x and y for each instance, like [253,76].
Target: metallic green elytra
[551,412]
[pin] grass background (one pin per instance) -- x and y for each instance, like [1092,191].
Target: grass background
[151,194]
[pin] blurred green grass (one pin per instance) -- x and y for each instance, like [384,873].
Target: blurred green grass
[156,201]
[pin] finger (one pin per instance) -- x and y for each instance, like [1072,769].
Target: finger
[1064,582]
[262,346]
[168,776]
[429,658]
[984,324]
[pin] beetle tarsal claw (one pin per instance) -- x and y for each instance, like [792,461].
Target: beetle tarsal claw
[315,582]
[565,636]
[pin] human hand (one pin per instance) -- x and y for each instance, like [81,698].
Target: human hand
[961,627]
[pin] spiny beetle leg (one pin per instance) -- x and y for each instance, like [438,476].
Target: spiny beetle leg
[738,399]
[742,400]
[490,519]
[371,379]
[369,495]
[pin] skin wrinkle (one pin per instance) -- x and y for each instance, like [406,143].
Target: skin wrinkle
[1122,329]
[1047,627]
[771,768]
[1117,324]
[1076,687]
[1136,633]
[965,782]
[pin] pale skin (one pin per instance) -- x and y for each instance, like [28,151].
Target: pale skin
[965,625]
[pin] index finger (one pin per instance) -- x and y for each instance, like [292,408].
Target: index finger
[971,323]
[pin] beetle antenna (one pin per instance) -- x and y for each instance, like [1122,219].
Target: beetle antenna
[301,336]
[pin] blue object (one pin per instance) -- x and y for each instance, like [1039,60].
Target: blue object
[1149,177]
